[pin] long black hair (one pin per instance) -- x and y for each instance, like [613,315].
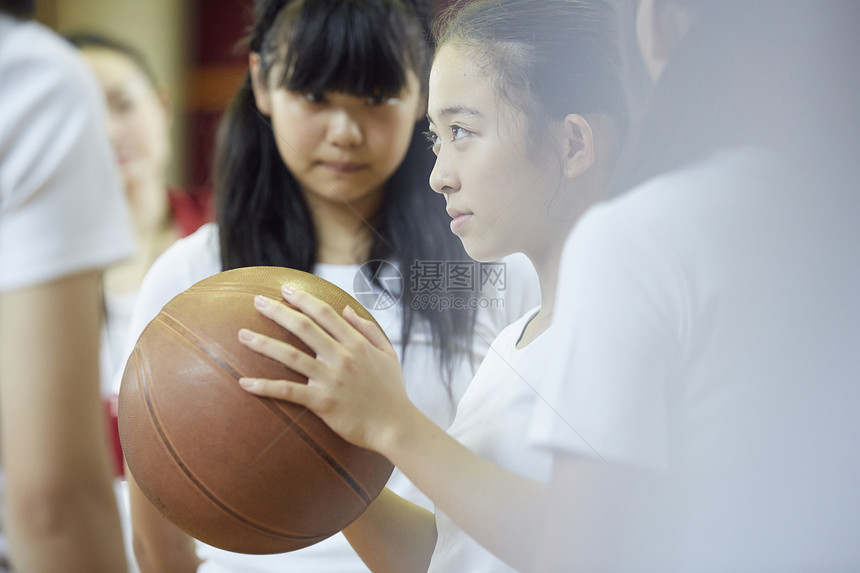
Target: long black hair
[360,47]
[780,74]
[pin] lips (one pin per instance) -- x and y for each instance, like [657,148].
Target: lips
[344,167]
[458,219]
[454,213]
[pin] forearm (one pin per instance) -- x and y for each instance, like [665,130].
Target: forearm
[73,525]
[59,496]
[355,385]
[159,545]
[393,535]
[501,510]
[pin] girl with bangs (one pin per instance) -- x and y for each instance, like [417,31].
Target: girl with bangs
[320,166]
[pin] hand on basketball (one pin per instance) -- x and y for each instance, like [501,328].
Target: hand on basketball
[355,383]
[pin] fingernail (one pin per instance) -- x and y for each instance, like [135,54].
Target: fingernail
[245,335]
[287,290]
[261,301]
[247,383]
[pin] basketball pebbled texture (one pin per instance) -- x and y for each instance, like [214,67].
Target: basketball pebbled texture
[237,471]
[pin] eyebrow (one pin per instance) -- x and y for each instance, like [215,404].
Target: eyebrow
[455,110]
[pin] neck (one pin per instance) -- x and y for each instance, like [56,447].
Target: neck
[344,231]
[149,206]
[150,210]
[546,263]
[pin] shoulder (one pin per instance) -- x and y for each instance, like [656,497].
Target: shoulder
[677,218]
[689,191]
[187,261]
[34,58]
[53,117]
[190,258]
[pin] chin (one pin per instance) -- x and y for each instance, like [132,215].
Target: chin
[483,254]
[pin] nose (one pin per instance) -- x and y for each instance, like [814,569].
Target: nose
[344,129]
[443,178]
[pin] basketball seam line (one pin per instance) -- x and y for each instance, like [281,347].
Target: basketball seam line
[291,423]
[189,474]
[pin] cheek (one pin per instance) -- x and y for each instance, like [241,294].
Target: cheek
[296,140]
[145,130]
[506,180]
[293,128]
[391,138]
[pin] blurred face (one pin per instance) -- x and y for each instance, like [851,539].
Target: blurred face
[138,118]
[340,148]
[497,187]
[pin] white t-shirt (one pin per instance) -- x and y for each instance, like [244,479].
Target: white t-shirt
[198,256]
[492,419]
[711,332]
[62,209]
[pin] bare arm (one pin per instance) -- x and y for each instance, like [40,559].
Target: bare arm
[356,386]
[159,546]
[501,510]
[54,444]
[393,535]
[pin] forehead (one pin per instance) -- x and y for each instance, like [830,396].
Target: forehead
[457,84]
[114,70]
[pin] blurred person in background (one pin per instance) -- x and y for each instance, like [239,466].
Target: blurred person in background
[62,221]
[138,121]
[708,395]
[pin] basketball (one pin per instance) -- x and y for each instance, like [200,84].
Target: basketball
[237,471]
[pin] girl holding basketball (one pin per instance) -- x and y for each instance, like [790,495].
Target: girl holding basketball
[526,110]
[321,167]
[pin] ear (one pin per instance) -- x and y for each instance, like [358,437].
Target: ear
[577,146]
[262,96]
[660,26]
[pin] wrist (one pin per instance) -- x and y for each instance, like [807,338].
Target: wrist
[403,435]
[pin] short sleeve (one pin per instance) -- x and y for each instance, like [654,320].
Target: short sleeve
[616,322]
[62,208]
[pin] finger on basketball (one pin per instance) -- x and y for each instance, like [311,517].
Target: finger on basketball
[293,320]
[367,328]
[283,352]
[323,314]
[295,392]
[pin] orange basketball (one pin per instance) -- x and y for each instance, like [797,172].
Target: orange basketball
[234,470]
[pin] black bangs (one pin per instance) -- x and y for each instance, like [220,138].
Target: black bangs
[349,46]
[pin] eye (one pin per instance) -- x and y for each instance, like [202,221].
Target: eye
[314,97]
[379,99]
[433,140]
[458,132]
[121,104]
